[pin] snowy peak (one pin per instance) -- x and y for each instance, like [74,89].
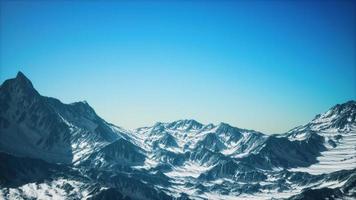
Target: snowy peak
[43,127]
[341,116]
[181,158]
[225,128]
[186,124]
[339,119]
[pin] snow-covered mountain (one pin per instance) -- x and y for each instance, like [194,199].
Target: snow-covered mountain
[338,128]
[52,150]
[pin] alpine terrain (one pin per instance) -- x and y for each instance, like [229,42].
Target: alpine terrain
[52,150]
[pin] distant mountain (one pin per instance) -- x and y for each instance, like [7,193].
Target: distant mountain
[52,150]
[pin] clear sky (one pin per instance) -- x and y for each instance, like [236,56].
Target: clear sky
[263,65]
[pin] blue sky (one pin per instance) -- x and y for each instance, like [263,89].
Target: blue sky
[261,65]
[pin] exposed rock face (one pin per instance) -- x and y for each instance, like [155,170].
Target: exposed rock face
[49,149]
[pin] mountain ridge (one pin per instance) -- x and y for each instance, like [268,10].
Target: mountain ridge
[183,159]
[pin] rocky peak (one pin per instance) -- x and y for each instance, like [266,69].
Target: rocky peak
[341,116]
[19,86]
[186,124]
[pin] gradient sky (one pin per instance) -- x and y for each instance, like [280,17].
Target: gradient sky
[268,66]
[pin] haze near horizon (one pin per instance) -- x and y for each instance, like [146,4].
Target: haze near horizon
[266,66]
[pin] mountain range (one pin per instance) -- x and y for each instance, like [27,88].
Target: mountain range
[52,150]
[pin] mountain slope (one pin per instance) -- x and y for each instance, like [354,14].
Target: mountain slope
[42,127]
[52,150]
